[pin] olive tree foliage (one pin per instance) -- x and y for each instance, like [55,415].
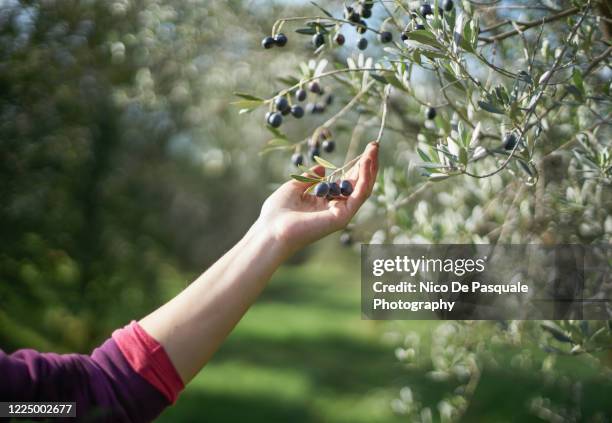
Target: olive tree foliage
[536,71]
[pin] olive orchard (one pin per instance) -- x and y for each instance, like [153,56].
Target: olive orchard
[494,123]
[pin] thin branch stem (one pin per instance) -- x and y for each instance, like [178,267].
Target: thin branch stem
[526,25]
[324,75]
[539,95]
[383,119]
[276,26]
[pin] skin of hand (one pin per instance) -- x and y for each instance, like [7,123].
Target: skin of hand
[192,326]
[297,220]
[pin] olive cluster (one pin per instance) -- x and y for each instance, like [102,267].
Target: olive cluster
[423,11]
[279,40]
[283,107]
[323,142]
[332,190]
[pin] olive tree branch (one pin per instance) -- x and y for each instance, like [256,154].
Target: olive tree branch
[538,97]
[324,75]
[332,120]
[279,23]
[596,61]
[383,119]
[526,25]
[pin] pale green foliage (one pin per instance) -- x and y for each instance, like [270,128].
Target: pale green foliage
[490,70]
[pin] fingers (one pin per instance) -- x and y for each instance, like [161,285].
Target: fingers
[319,170]
[368,167]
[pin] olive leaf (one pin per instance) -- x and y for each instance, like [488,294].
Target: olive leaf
[489,107]
[307,179]
[306,31]
[463,156]
[423,155]
[247,106]
[435,177]
[321,9]
[324,163]
[278,142]
[424,37]
[276,132]
[248,96]
[556,332]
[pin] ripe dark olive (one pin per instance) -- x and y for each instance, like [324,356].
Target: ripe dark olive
[365,12]
[404,36]
[314,151]
[325,134]
[280,39]
[314,87]
[353,16]
[509,141]
[346,188]
[447,5]
[334,189]
[318,39]
[275,120]
[385,37]
[300,94]
[267,42]
[319,108]
[346,239]
[425,10]
[321,189]
[329,146]
[430,113]
[281,104]
[267,118]
[297,159]
[348,11]
[314,108]
[297,111]
[362,44]
[339,39]
[362,27]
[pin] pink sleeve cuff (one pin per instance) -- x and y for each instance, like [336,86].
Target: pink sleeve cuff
[148,358]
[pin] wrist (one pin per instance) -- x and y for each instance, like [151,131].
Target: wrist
[270,241]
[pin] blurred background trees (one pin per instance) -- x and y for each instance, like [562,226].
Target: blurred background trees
[120,160]
[124,171]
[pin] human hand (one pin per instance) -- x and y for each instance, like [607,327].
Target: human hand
[296,219]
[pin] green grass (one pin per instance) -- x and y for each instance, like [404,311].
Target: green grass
[303,354]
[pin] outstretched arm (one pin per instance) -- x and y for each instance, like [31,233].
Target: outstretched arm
[192,326]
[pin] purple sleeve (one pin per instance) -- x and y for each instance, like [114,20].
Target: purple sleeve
[104,385]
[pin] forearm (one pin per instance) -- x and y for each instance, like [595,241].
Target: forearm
[192,326]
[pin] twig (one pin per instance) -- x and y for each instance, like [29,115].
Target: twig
[279,23]
[530,24]
[588,70]
[535,102]
[383,118]
[324,75]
